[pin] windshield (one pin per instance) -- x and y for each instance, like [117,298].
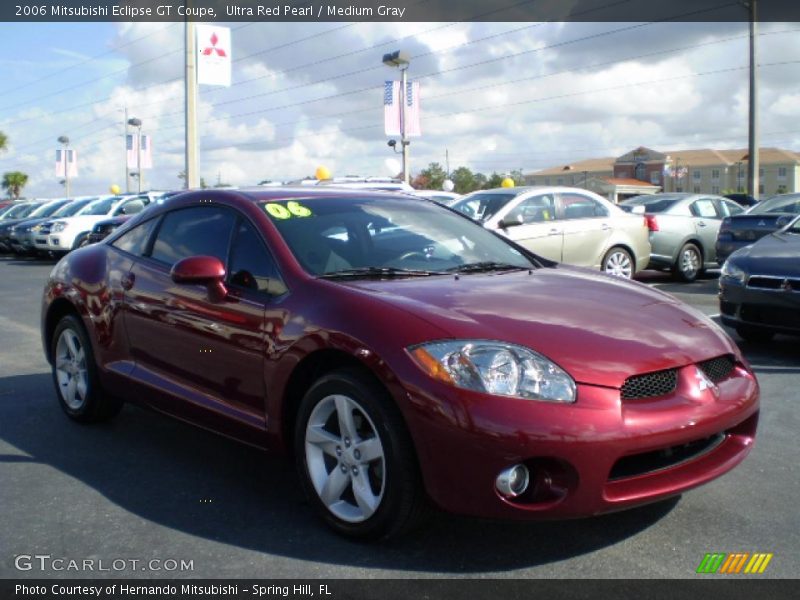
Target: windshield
[72,208]
[99,207]
[387,236]
[652,204]
[778,204]
[483,206]
[21,211]
[48,209]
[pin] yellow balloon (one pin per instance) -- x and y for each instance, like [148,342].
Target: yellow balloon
[507,182]
[115,189]
[323,173]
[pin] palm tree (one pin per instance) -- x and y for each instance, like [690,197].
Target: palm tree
[3,141]
[13,182]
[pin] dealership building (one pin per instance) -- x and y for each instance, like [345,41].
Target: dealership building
[703,171]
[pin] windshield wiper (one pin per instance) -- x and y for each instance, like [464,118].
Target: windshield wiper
[488,265]
[378,273]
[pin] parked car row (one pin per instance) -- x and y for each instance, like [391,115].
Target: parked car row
[56,227]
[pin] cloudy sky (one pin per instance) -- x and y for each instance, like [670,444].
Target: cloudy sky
[496,96]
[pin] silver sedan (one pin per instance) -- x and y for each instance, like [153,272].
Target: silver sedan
[569,225]
[683,229]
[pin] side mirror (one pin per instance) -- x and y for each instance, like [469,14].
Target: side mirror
[511,222]
[132,207]
[203,270]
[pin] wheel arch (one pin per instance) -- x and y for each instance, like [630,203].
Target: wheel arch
[58,309]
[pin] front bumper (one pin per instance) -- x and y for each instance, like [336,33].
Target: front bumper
[775,310]
[600,454]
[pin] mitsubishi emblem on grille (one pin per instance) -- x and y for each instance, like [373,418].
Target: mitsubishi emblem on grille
[787,286]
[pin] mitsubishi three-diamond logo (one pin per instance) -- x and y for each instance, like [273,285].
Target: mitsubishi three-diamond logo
[212,49]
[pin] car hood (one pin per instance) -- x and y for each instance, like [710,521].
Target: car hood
[81,220]
[774,254]
[599,329]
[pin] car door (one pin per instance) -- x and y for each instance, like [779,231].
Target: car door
[202,360]
[532,223]
[586,227]
[706,218]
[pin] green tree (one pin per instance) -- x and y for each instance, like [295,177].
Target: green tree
[13,182]
[3,141]
[517,176]
[464,180]
[494,180]
[433,176]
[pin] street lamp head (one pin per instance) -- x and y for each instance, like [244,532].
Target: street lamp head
[391,143]
[398,58]
[62,139]
[134,122]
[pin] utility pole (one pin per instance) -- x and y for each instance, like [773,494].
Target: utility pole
[125,145]
[447,163]
[64,140]
[403,140]
[191,164]
[753,162]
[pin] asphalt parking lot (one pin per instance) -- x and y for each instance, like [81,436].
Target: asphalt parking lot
[145,487]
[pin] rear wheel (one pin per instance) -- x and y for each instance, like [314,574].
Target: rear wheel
[753,334]
[618,262]
[355,458]
[689,264]
[75,374]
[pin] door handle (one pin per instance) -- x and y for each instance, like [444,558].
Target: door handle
[554,232]
[701,223]
[605,227]
[126,281]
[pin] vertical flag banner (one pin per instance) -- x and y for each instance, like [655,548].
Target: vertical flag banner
[391,107]
[146,152]
[412,110]
[133,153]
[213,55]
[66,163]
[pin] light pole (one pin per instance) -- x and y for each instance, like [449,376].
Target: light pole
[64,140]
[137,123]
[400,60]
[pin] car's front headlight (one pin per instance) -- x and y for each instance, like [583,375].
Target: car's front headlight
[731,271]
[58,226]
[495,368]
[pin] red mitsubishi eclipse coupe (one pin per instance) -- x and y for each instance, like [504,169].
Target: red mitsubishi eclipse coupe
[402,353]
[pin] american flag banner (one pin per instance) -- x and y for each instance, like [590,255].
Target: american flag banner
[132,154]
[66,163]
[412,110]
[147,152]
[391,107]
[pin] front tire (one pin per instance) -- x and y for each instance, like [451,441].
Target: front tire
[75,374]
[618,262]
[689,263]
[355,458]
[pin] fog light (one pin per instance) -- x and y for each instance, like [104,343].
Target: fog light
[513,481]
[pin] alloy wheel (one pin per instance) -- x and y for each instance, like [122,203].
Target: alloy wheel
[71,372]
[345,458]
[690,262]
[619,264]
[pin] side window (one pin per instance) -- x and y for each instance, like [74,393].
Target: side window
[730,208]
[251,266]
[135,240]
[537,209]
[578,206]
[204,230]
[705,208]
[131,207]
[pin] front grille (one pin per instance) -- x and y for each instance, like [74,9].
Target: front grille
[718,368]
[762,282]
[649,462]
[650,385]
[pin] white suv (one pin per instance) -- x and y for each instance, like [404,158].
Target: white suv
[62,235]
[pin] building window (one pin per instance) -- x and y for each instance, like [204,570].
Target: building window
[547,181]
[655,177]
[761,171]
[760,188]
[560,181]
[714,174]
[715,189]
[640,172]
[679,188]
[696,175]
[696,189]
[781,172]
